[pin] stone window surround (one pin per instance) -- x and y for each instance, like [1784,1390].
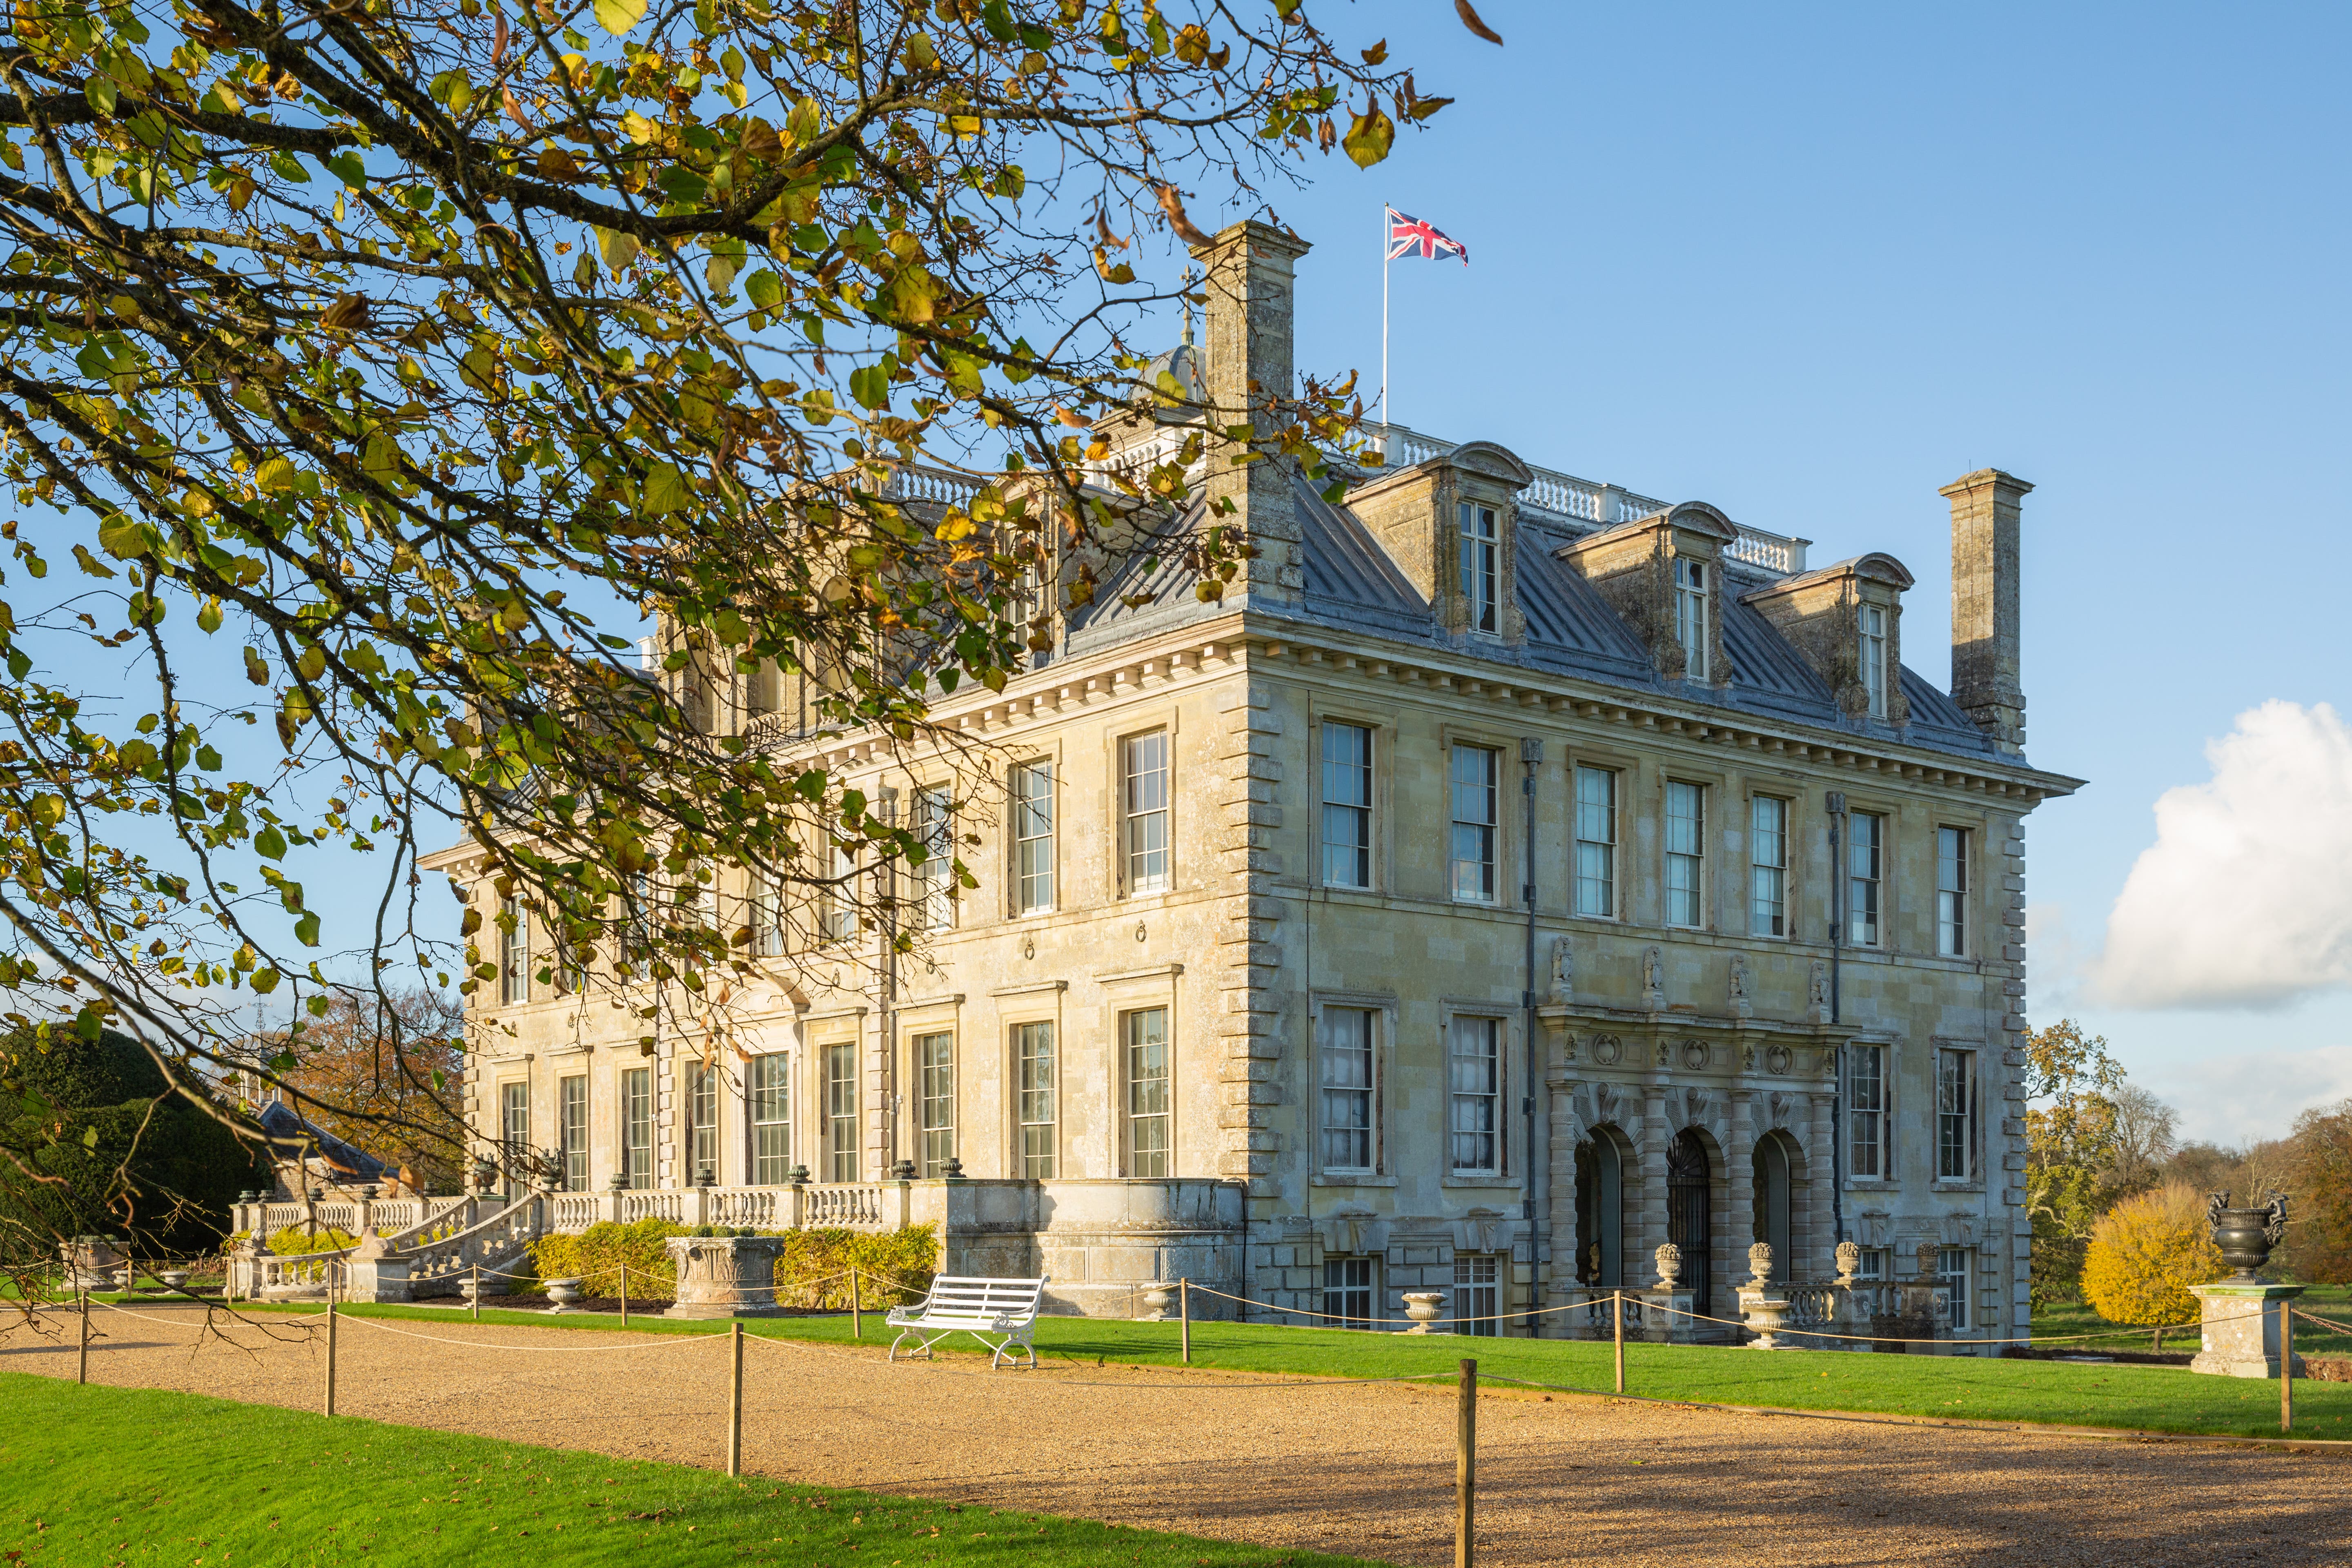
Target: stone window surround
[1138,990]
[1890,1146]
[1384,1058]
[1988,1065]
[1033,1002]
[1509,1131]
[1043,751]
[1323,708]
[1510,827]
[1131,725]
[848,1029]
[1973,944]
[1557,801]
[922,1016]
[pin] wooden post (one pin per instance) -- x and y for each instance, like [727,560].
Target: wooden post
[735,1407]
[82,1366]
[625,1293]
[1184,1316]
[856,1310]
[1465,1467]
[1618,1303]
[330,1355]
[2286,1366]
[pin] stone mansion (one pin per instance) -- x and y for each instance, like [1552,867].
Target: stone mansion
[1510,874]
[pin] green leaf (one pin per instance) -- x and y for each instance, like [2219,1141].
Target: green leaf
[871,386]
[1369,138]
[264,982]
[209,618]
[617,16]
[764,290]
[270,844]
[618,248]
[89,1137]
[667,490]
[306,931]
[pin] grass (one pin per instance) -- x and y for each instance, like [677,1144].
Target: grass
[105,1476]
[2150,1398]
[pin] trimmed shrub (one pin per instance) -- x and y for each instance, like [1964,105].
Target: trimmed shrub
[2144,1254]
[133,1161]
[293,1241]
[897,1266]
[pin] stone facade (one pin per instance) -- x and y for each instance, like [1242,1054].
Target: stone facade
[1477,964]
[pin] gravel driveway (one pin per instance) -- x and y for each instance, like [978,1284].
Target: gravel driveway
[1363,1468]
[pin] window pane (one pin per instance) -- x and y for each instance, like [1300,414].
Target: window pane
[1873,659]
[1477,1293]
[770,1086]
[1033,1050]
[702,1121]
[841,1110]
[1347,805]
[1347,1291]
[572,1130]
[1474,1069]
[1685,853]
[1473,792]
[1952,892]
[1347,1071]
[934,877]
[1596,842]
[638,1126]
[1956,1120]
[1690,615]
[1480,562]
[1767,856]
[1147,1093]
[1144,792]
[514,958]
[1033,838]
[1867,1107]
[935,1072]
[1866,843]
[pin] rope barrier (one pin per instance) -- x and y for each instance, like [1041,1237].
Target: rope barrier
[2324,1323]
[1086,1382]
[1673,1313]
[169,1323]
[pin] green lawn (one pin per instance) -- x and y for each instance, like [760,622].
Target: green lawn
[2155,1398]
[105,1476]
[2327,1300]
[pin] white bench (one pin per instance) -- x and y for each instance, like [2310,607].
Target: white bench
[970,1305]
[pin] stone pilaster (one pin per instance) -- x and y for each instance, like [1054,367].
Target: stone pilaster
[1249,959]
[1822,1161]
[2008,853]
[1658,1131]
[1739,1196]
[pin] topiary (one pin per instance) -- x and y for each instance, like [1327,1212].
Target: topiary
[2144,1254]
[93,1140]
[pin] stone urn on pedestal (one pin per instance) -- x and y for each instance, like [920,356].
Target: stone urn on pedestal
[725,1276]
[1666,1307]
[564,1295]
[1158,1296]
[2241,1312]
[1763,1310]
[92,1263]
[1423,1307]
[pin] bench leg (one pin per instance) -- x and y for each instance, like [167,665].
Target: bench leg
[1018,1340]
[922,1346]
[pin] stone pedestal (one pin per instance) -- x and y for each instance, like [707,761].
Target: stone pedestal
[2241,1328]
[725,1276]
[91,1264]
[376,1271]
[1667,1316]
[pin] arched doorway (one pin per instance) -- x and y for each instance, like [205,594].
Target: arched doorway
[1690,1212]
[1600,1210]
[1774,1203]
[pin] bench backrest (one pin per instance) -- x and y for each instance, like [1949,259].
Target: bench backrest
[961,1296]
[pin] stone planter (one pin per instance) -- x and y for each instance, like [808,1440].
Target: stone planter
[1158,1296]
[564,1295]
[174,1278]
[1764,1313]
[92,1263]
[1423,1307]
[725,1276]
[2241,1313]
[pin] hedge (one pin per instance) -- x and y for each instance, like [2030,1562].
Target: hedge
[906,1257]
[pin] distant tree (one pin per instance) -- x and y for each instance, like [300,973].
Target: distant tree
[2320,1231]
[2144,1137]
[2144,1254]
[381,1073]
[2070,1133]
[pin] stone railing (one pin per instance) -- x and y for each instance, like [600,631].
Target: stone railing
[928,484]
[495,1246]
[1657,1316]
[568,1213]
[849,1205]
[652,1203]
[1588,505]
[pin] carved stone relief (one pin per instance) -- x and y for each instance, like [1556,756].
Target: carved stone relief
[1607,1050]
[1778,1057]
[1695,1054]
[1741,1003]
[1563,970]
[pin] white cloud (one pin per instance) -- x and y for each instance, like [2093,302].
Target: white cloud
[2245,898]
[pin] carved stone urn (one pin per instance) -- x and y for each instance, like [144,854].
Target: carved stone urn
[564,1295]
[1670,1266]
[1759,1265]
[1849,1263]
[174,1278]
[2246,1236]
[725,1276]
[1423,1308]
[1157,1295]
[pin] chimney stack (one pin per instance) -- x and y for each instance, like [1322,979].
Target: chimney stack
[1984,604]
[1248,277]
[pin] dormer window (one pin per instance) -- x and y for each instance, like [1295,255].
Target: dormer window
[1873,659]
[1482,571]
[1690,615]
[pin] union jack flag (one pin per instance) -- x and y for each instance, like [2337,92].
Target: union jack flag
[1406,233]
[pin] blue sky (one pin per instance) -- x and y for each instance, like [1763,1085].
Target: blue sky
[1810,263]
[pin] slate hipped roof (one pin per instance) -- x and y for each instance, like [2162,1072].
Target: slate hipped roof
[1352,585]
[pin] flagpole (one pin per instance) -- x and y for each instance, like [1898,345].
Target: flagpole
[1384,332]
